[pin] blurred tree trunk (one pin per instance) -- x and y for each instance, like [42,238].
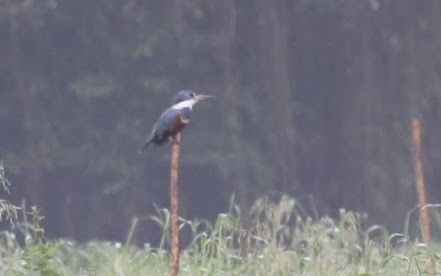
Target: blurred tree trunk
[362,106]
[277,91]
[239,171]
[25,87]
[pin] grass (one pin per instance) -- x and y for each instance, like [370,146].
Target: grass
[279,238]
[278,241]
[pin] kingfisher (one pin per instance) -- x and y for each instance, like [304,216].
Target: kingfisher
[174,118]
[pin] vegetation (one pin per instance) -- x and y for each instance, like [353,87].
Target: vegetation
[280,240]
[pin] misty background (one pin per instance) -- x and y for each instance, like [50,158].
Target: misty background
[314,99]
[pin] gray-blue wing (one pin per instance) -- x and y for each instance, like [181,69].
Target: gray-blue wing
[170,122]
[165,123]
[168,119]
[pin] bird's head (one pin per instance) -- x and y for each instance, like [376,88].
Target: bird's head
[183,96]
[188,97]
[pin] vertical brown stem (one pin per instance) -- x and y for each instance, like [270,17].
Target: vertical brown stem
[420,189]
[419,181]
[174,202]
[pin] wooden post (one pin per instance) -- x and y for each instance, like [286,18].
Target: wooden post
[420,189]
[174,204]
[419,181]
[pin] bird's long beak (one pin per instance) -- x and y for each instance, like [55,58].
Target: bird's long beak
[201,97]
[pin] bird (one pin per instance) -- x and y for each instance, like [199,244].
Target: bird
[174,119]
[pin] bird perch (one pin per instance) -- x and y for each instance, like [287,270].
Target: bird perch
[169,125]
[174,204]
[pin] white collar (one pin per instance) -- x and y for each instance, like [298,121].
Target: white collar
[184,104]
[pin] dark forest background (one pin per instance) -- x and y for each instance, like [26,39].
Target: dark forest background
[313,98]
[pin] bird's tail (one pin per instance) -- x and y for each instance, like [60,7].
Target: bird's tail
[147,144]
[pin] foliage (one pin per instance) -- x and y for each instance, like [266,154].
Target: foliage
[36,255]
[279,241]
[8,211]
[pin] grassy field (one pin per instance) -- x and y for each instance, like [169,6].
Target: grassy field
[280,240]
